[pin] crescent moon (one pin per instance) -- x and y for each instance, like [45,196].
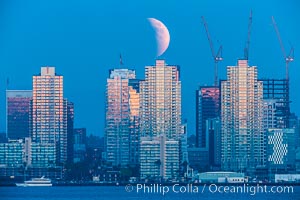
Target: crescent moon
[161,34]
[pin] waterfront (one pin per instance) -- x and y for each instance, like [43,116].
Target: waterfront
[114,192]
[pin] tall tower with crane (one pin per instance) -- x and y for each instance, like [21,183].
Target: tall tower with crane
[288,59]
[217,57]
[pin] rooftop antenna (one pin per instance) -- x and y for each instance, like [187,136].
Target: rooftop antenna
[121,60]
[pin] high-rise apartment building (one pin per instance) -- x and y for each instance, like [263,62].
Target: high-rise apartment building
[243,144]
[49,112]
[160,102]
[17,110]
[122,116]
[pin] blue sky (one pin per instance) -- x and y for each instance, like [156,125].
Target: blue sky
[83,40]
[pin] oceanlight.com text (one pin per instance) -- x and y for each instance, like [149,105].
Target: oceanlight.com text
[208,188]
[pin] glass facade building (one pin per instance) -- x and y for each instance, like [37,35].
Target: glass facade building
[134,122]
[17,109]
[207,107]
[122,116]
[213,131]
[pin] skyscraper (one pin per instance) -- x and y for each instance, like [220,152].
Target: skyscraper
[161,117]
[207,107]
[122,110]
[242,110]
[17,109]
[161,101]
[49,111]
[207,110]
[134,121]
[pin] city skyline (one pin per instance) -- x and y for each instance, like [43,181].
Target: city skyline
[250,114]
[33,49]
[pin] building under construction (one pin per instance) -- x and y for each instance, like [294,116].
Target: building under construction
[278,89]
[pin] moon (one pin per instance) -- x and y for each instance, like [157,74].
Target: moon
[161,34]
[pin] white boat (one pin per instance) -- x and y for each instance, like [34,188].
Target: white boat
[36,182]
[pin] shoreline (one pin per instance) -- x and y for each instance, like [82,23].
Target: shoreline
[151,184]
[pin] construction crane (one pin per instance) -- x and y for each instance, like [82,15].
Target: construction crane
[288,58]
[246,49]
[217,57]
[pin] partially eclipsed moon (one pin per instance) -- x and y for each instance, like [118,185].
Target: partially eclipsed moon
[161,34]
